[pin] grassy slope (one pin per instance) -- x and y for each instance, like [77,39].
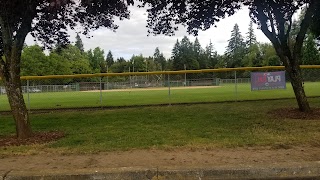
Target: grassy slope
[194,126]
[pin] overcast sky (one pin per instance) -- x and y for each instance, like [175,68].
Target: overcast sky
[131,36]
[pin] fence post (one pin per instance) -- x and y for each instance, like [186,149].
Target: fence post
[236,85]
[185,75]
[107,78]
[101,91]
[28,94]
[169,89]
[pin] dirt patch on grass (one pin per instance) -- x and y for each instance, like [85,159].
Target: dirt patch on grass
[295,113]
[37,138]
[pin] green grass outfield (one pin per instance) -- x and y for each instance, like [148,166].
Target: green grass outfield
[205,126]
[226,92]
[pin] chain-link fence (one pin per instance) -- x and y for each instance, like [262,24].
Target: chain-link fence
[129,89]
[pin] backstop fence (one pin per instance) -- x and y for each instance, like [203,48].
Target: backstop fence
[161,87]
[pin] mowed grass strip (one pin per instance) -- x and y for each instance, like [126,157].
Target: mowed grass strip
[228,125]
[144,97]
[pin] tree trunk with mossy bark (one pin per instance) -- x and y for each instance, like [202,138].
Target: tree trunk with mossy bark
[294,73]
[17,105]
[12,44]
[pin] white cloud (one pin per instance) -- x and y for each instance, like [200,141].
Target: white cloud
[131,37]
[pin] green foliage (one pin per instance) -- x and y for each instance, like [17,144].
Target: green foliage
[79,62]
[269,56]
[121,65]
[253,56]
[96,60]
[310,55]
[34,62]
[138,63]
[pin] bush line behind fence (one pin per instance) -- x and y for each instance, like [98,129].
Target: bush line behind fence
[147,88]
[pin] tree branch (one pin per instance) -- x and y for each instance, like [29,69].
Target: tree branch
[272,23]
[19,38]
[305,24]
[6,36]
[287,35]
[263,19]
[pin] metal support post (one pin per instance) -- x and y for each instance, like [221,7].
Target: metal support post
[185,75]
[101,91]
[28,95]
[169,90]
[236,85]
[107,78]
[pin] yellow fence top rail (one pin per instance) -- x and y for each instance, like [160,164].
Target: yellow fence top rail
[165,72]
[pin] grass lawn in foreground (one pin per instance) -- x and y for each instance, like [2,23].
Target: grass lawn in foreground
[144,97]
[238,124]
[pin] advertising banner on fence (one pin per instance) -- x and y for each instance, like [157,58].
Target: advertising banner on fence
[268,80]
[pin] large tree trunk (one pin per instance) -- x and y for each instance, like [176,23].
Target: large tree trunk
[18,107]
[13,33]
[295,76]
[276,25]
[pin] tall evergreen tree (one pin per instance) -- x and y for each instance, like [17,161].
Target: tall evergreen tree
[197,47]
[236,48]
[183,55]
[176,50]
[79,43]
[159,59]
[212,55]
[121,59]
[251,37]
[199,54]
[109,59]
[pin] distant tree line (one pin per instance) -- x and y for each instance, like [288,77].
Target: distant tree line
[240,52]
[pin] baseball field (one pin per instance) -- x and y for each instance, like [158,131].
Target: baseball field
[150,96]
